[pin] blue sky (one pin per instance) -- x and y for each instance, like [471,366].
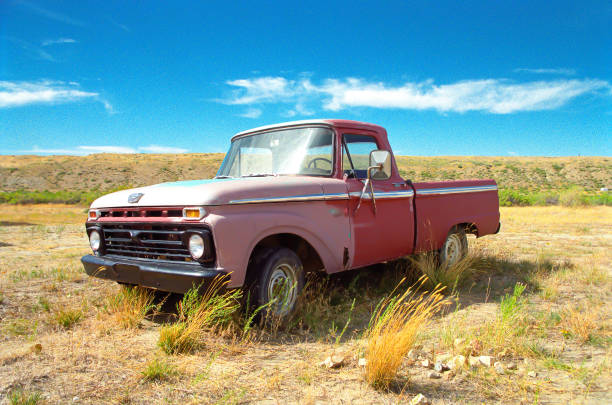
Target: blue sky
[475,78]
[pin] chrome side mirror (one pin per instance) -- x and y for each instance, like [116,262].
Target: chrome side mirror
[380,169]
[380,163]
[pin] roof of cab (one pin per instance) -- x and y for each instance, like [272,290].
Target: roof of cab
[330,122]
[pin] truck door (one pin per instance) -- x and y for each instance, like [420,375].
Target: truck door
[388,232]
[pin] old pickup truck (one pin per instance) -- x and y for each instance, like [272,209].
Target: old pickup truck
[291,198]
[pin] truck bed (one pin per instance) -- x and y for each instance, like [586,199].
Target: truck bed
[441,205]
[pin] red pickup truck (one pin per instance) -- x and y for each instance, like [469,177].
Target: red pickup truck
[316,195]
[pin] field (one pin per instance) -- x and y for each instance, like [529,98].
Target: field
[65,339]
[80,179]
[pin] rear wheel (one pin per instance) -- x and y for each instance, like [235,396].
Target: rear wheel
[455,247]
[280,280]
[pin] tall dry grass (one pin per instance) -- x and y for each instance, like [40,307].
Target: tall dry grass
[199,314]
[130,306]
[450,276]
[394,327]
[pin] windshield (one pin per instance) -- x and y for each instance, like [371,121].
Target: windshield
[307,151]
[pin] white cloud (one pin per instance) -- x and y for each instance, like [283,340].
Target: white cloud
[18,94]
[161,149]
[498,96]
[59,41]
[52,15]
[251,113]
[261,89]
[88,150]
[555,71]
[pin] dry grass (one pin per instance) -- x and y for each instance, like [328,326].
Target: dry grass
[450,276]
[128,307]
[393,330]
[198,315]
[561,255]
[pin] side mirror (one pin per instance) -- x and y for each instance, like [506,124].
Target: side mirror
[380,162]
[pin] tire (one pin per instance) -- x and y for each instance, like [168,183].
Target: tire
[455,247]
[280,275]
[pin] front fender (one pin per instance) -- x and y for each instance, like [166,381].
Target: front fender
[237,230]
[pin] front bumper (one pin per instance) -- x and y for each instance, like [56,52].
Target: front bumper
[172,277]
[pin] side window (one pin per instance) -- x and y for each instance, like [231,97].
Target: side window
[359,148]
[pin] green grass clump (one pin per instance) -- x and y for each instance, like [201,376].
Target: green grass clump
[20,397]
[68,318]
[158,370]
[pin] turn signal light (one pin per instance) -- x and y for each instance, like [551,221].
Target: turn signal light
[194,213]
[94,214]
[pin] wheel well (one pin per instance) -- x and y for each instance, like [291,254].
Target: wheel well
[468,228]
[307,254]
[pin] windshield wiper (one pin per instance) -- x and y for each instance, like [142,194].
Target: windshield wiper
[259,175]
[223,177]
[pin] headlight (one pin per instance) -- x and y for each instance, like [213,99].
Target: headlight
[94,240]
[196,246]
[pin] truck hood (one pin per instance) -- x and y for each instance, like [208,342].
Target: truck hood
[224,191]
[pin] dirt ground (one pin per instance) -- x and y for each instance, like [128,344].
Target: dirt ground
[559,351]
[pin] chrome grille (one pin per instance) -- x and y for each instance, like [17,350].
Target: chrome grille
[157,242]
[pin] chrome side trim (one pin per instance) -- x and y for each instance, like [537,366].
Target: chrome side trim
[456,190]
[323,197]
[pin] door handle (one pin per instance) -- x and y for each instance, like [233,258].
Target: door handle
[398,184]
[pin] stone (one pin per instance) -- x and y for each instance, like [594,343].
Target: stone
[434,375]
[499,368]
[427,363]
[441,367]
[333,362]
[486,360]
[362,362]
[511,366]
[456,362]
[474,361]
[532,374]
[420,399]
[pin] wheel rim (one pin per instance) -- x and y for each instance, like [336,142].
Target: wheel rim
[282,287]
[453,249]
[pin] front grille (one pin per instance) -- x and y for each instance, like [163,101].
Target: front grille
[141,212]
[147,241]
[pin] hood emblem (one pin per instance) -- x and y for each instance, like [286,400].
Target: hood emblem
[134,198]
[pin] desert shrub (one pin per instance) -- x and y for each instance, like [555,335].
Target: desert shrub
[198,314]
[572,197]
[130,306]
[393,329]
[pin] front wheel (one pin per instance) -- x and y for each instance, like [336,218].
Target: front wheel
[280,280]
[455,247]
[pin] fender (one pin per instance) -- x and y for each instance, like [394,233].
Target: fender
[237,233]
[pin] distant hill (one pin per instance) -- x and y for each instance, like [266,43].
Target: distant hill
[103,172]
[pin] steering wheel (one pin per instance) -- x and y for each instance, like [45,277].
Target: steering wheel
[313,164]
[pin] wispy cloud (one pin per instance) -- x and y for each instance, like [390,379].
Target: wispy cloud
[251,113]
[161,149]
[497,96]
[88,150]
[19,94]
[59,41]
[32,51]
[50,14]
[547,71]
